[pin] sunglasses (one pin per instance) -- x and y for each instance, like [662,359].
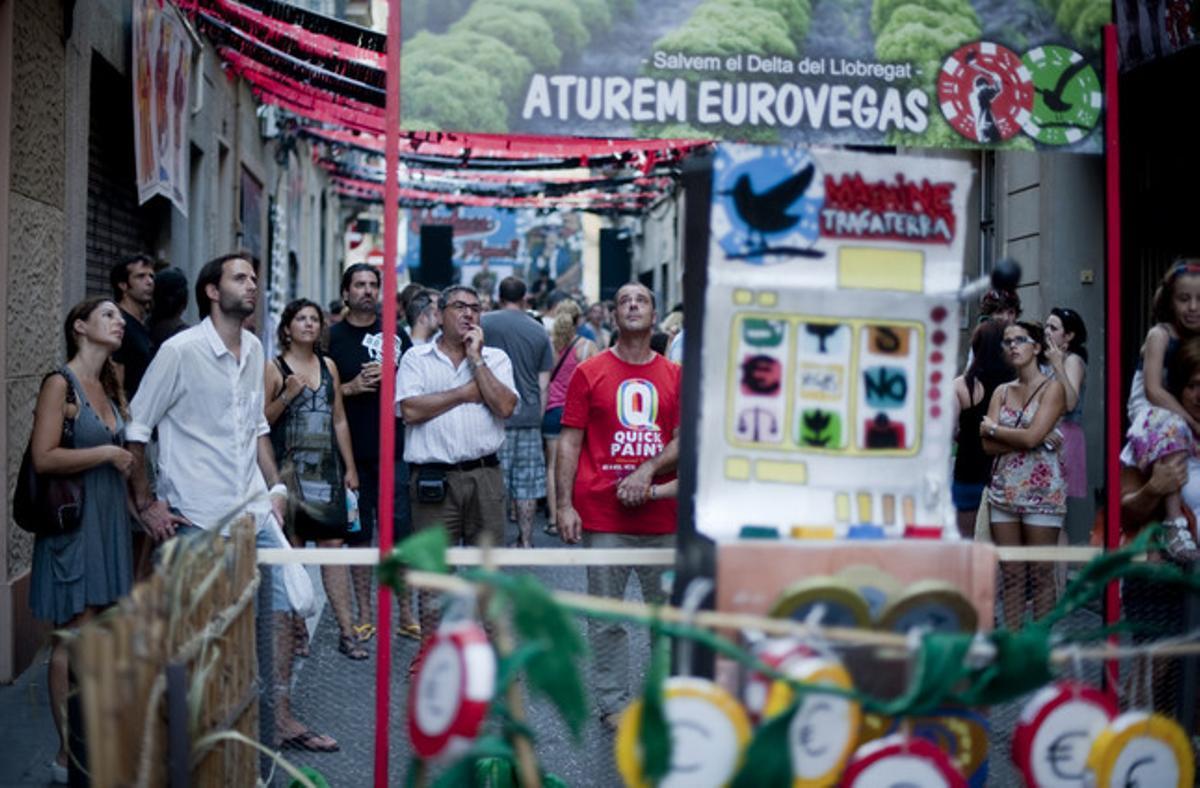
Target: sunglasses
[1016,342]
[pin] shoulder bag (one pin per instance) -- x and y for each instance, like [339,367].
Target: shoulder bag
[983,517]
[49,504]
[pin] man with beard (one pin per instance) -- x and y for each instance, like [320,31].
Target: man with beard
[204,394]
[132,282]
[356,347]
[618,436]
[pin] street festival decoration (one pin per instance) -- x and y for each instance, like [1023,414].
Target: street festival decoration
[830,343]
[162,75]
[451,689]
[932,735]
[917,73]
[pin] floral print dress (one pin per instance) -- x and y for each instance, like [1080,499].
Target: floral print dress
[1027,481]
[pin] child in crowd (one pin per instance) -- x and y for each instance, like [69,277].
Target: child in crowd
[1159,425]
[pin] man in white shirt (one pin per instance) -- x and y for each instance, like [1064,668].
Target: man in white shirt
[454,395]
[204,393]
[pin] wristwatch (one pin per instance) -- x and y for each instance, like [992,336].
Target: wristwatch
[992,431]
[482,362]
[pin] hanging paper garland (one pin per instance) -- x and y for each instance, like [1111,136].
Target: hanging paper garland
[1056,731]
[901,760]
[1138,748]
[709,731]
[824,730]
[777,653]
[451,690]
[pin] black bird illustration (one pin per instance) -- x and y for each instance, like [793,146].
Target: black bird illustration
[766,212]
[1054,98]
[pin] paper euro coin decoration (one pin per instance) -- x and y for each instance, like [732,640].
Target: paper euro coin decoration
[777,653]
[901,760]
[1141,749]
[824,730]
[709,731]
[1056,731]
[451,690]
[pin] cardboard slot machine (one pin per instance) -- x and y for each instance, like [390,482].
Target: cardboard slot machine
[830,344]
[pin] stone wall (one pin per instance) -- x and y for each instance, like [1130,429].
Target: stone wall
[36,220]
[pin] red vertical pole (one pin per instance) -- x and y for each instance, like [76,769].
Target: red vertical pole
[1112,330]
[387,391]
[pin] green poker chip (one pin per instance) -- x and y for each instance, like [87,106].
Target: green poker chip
[1067,96]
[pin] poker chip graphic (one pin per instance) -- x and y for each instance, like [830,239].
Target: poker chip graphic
[1055,733]
[451,690]
[899,760]
[779,653]
[709,731]
[1141,749]
[839,600]
[1068,97]
[985,92]
[824,730]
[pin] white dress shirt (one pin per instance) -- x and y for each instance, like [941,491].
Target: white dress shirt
[465,432]
[208,408]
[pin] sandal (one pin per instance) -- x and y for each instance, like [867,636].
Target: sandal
[411,631]
[550,529]
[311,741]
[364,632]
[350,646]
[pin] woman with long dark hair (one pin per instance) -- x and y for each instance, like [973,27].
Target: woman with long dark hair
[77,574]
[1027,493]
[1066,352]
[973,391]
[312,448]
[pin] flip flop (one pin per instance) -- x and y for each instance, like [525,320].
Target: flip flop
[350,646]
[411,631]
[310,741]
[364,632]
[550,530]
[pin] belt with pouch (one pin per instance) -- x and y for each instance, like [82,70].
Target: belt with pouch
[488,461]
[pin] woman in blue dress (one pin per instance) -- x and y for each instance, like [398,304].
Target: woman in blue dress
[77,574]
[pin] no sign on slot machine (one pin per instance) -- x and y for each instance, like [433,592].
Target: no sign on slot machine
[830,343]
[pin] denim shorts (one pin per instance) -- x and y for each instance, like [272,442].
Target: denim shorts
[552,422]
[967,496]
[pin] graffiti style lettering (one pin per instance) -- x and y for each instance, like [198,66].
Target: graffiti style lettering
[885,387]
[758,425]
[820,382]
[883,433]
[899,209]
[757,332]
[821,429]
[761,375]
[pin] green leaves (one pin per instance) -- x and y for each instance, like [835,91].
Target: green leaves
[654,734]
[424,551]
[553,669]
[768,759]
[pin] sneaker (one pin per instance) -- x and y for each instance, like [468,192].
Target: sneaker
[1181,547]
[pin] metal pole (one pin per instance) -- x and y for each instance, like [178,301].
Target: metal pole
[387,392]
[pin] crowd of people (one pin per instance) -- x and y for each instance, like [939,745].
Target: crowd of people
[180,429]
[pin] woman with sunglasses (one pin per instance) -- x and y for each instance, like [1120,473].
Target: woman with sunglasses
[1066,352]
[1027,493]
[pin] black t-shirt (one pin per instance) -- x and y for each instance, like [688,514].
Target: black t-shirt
[135,353]
[351,347]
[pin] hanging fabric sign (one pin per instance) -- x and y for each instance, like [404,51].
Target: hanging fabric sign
[162,72]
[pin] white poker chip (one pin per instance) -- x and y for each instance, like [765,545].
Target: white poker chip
[1055,733]
[451,690]
[824,730]
[1141,749]
[709,733]
[901,760]
[778,653]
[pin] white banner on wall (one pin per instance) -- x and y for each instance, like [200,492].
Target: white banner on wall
[831,332]
[162,66]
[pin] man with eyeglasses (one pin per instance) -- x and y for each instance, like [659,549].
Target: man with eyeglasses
[454,395]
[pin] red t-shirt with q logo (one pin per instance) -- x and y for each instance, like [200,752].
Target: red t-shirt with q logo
[628,414]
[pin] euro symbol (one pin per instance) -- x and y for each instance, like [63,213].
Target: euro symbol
[1130,780]
[807,730]
[679,729]
[1062,752]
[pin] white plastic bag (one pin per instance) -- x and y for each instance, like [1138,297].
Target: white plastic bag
[296,582]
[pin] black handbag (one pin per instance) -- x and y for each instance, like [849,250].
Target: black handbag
[52,503]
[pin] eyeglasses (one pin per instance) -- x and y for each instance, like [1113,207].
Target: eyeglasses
[1015,342]
[463,305]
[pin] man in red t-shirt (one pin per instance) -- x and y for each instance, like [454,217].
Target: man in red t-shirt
[618,440]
